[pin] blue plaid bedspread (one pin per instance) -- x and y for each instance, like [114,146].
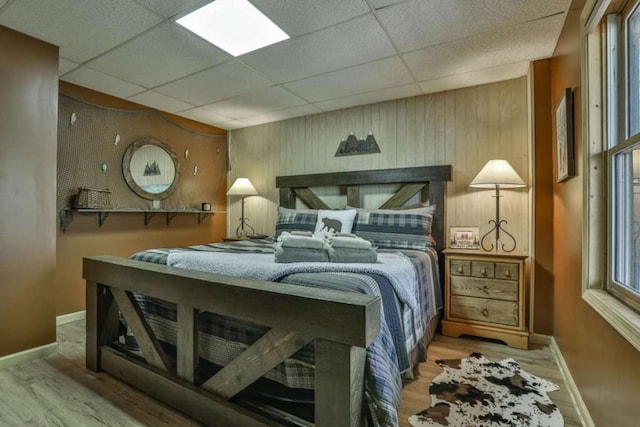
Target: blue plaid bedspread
[386,358]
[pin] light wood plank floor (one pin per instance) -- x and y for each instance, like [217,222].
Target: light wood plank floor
[59,391]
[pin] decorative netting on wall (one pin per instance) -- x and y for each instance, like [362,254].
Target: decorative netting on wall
[92,141]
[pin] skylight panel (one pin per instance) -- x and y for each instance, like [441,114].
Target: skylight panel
[235,26]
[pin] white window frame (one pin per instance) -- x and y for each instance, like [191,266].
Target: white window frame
[596,114]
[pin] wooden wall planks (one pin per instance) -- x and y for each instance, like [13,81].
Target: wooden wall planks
[464,128]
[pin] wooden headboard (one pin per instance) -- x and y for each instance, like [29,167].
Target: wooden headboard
[428,179]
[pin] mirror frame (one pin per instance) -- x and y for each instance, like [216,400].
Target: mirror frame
[126,168]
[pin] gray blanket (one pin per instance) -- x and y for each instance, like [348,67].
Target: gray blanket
[396,267]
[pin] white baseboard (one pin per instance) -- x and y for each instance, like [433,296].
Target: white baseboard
[71,317]
[28,355]
[583,412]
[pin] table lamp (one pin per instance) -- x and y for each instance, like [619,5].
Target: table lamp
[242,187]
[497,174]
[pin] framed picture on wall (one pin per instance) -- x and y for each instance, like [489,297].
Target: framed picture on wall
[464,237]
[565,161]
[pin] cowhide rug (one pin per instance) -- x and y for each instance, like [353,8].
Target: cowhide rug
[475,392]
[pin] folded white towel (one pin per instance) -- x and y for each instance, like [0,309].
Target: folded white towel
[294,241]
[350,242]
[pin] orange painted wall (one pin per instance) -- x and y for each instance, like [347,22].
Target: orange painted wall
[125,233]
[605,367]
[542,259]
[28,114]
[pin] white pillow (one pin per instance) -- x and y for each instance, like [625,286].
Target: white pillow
[335,221]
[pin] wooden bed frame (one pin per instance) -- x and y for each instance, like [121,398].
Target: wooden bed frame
[342,324]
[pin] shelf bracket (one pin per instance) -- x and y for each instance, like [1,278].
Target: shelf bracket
[102,216]
[170,216]
[147,217]
[202,216]
[66,218]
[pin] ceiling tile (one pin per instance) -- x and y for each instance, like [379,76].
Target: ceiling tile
[420,23]
[64,66]
[380,4]
[474,78]
[72,24]
[355,42]
[204,116]
[233,124]
[529,41]
[179,51]
[171,8]
[362,78]
[217,83]
[253,103]
[95,80]
[305,16]
[398,92]
[160,102]
[274,116]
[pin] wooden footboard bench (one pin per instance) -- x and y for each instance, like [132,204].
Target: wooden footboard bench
[343,324]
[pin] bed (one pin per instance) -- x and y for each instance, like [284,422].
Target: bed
[345,339]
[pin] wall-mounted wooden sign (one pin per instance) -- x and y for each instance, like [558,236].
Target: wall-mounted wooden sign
[352,146]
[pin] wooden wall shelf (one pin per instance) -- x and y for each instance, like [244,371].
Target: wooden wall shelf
[66,215]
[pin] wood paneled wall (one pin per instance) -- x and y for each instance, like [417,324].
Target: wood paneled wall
[464,128]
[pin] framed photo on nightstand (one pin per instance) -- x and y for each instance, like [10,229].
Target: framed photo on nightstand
[464,237]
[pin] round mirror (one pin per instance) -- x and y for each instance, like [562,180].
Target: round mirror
[150,169]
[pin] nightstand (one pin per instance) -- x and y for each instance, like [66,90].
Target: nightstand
[485,295]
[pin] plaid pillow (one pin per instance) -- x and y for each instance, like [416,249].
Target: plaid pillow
[395,230]
[294,220]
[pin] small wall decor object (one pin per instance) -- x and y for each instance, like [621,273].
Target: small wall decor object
[464,237]
[498,174]
[72,120]
[195,170]
[116,141]
[103,167]
[352,146]
[186,153]
[242,187]
[206,206]
[565,164]
[155,204]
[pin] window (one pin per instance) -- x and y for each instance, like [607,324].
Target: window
[611,178]
[624,155]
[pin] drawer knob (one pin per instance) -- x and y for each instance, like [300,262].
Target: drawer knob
[485,312]
[459,269]
[483,271]
[485,289]
[507,273]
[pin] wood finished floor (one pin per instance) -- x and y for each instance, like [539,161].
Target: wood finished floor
[59,391]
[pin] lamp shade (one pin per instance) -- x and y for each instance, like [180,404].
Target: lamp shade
[242,187]
[497,173]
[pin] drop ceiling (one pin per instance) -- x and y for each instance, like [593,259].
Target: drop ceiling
[341,53]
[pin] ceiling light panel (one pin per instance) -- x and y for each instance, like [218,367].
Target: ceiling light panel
[235,26]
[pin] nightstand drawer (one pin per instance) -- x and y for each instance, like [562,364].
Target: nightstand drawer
[482,269]
[506,270]
[460,267]
[484,310]
[485,288]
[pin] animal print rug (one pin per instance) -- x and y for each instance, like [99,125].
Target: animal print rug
[475,391]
